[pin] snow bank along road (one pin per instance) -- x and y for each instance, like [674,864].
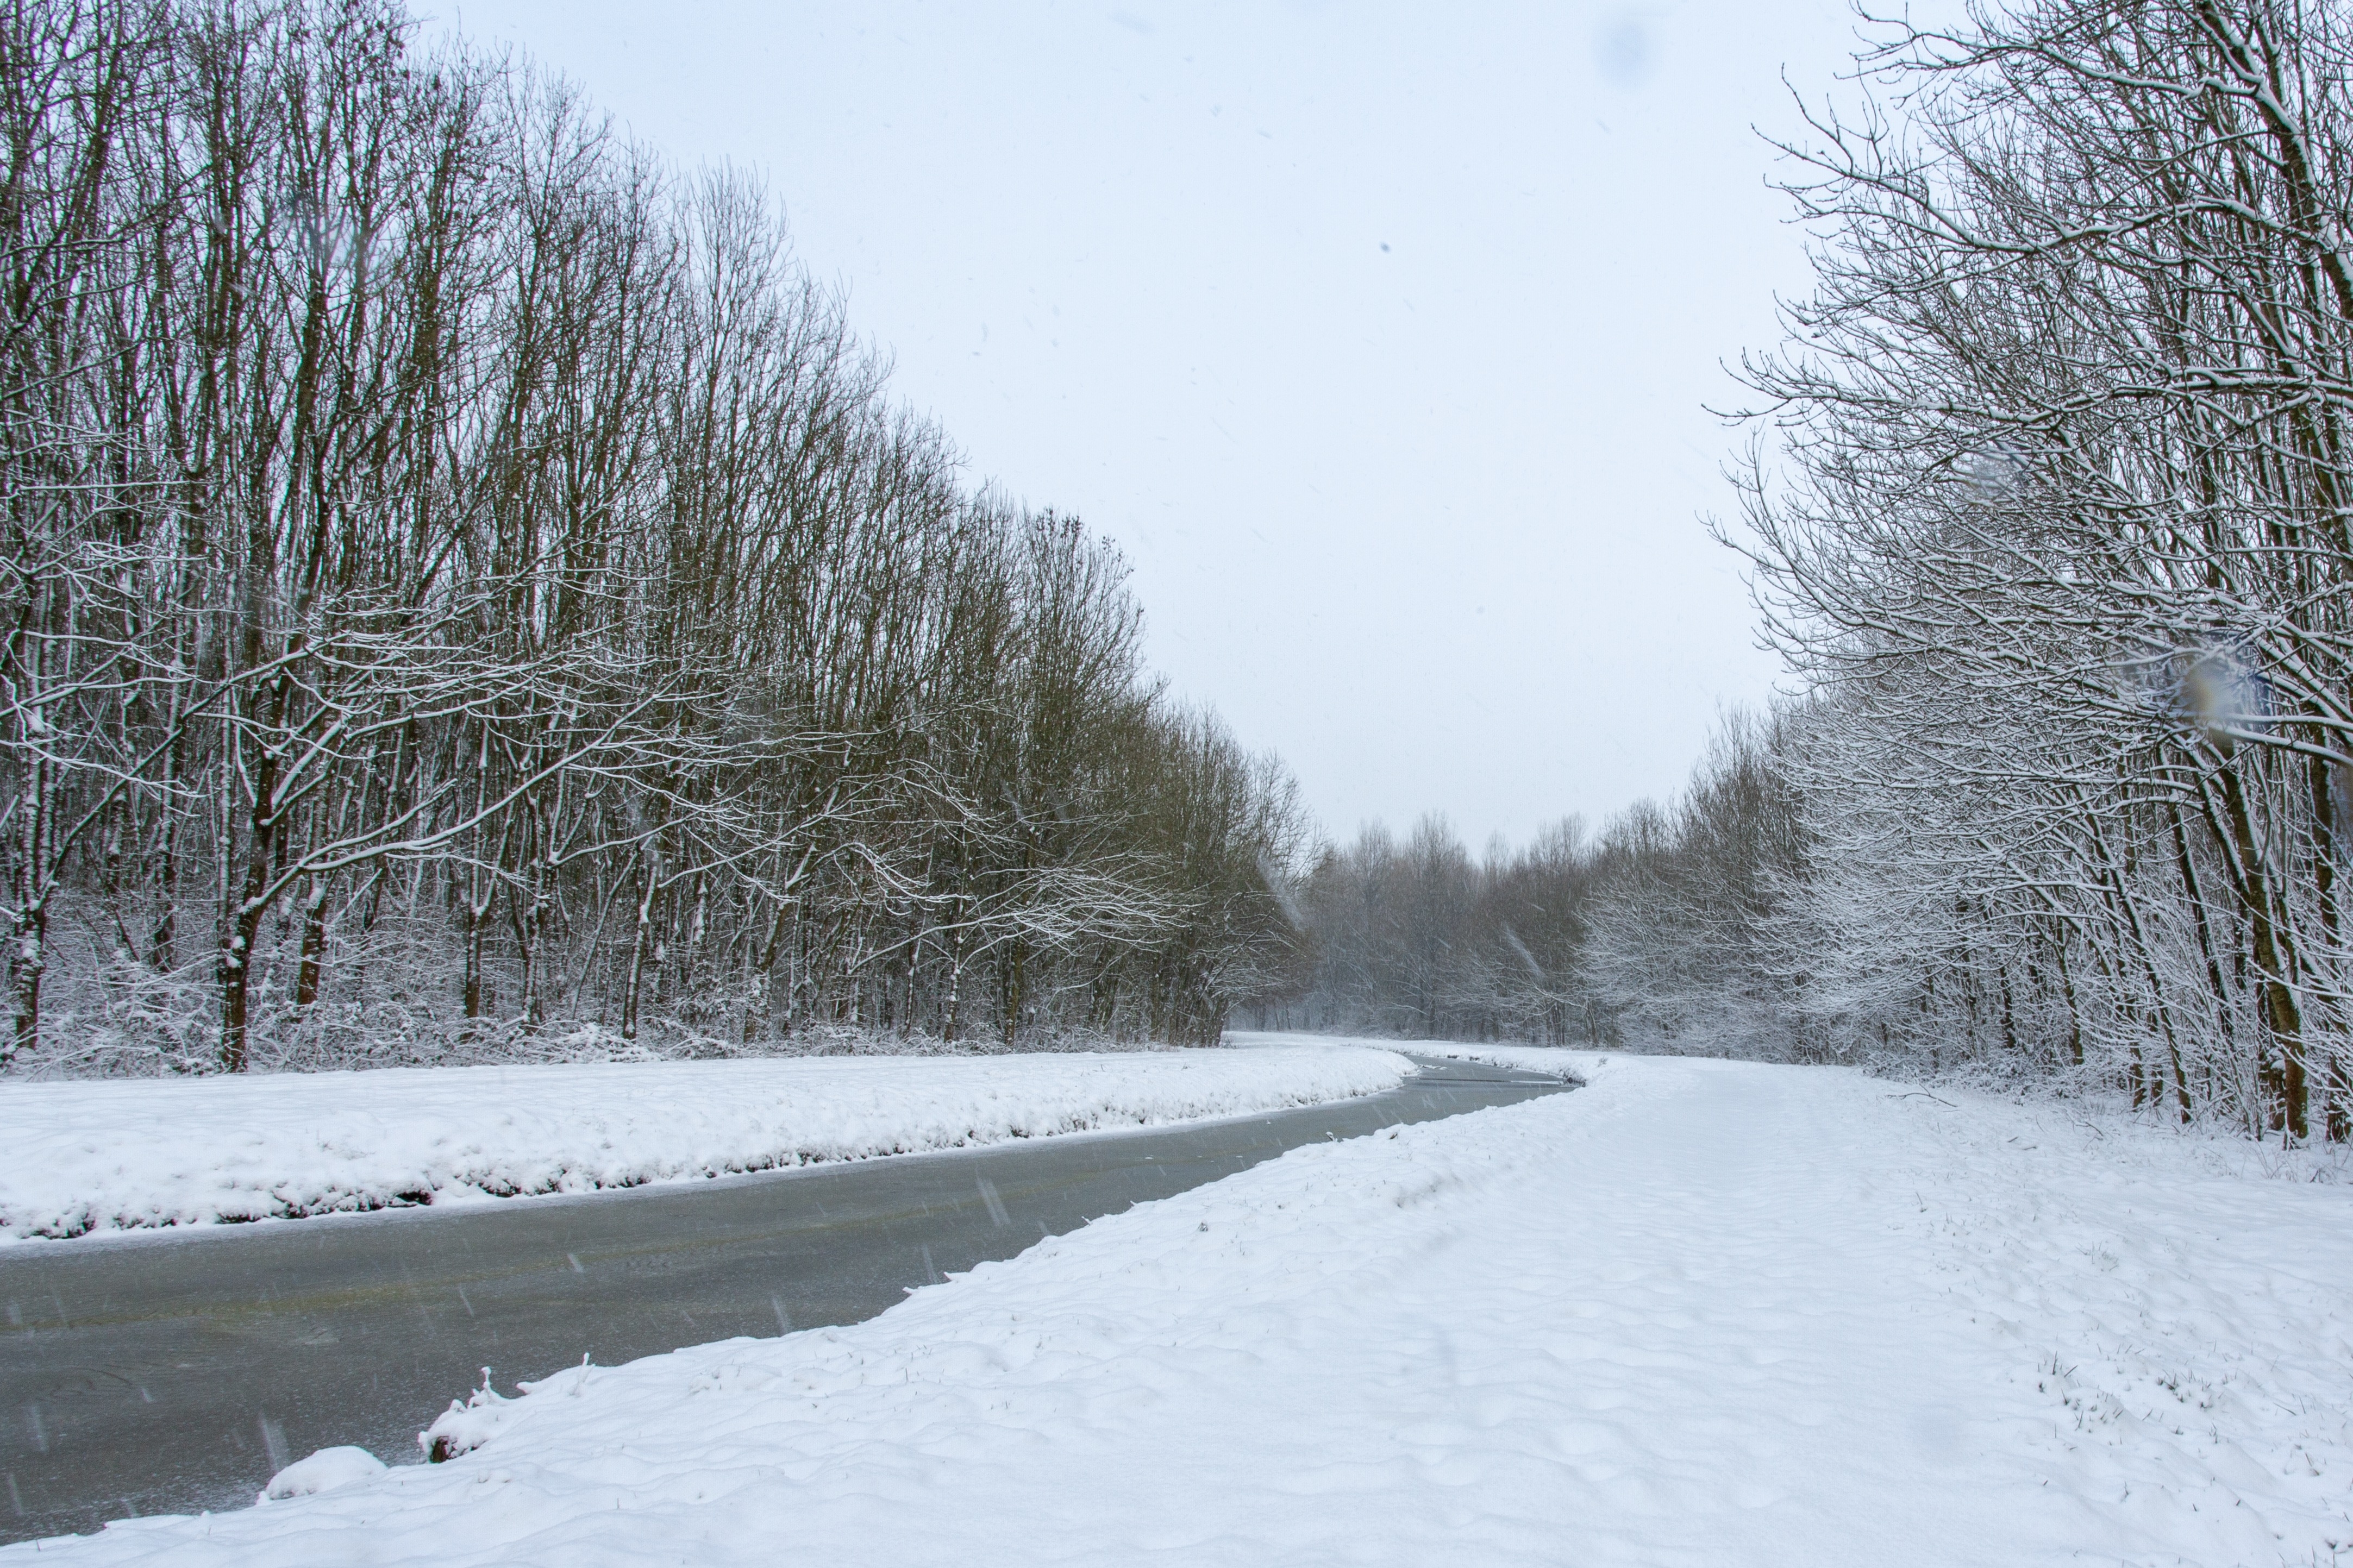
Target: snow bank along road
[84,1158]
[1696,1313]
[175,1370]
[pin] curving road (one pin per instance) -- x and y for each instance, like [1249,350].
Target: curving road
[164,1375]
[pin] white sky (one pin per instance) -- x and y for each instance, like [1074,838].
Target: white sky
[1377,335]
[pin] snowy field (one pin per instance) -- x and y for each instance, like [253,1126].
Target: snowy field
[77,1158]
[1696,1313]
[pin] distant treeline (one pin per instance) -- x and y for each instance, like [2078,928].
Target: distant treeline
[1417,939]
[462,580]
[2051,513]
[1643,934]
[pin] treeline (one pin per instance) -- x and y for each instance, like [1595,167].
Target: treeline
[462,581]
[1647,934]
[2056,529]
[1419,940]
[2051,514]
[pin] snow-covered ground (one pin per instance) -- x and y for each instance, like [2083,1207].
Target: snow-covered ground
[1694,1313]
[1527,1058]
[83,1157]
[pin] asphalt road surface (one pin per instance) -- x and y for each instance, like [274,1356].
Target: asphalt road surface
[164,1375]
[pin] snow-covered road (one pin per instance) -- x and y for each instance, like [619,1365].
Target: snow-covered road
[1698,1313]
[77,1158]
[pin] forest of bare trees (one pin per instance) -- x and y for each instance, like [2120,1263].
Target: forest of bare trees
[1649,933]
[1417,939]
[2054,526]
[2050,516]
[464,583]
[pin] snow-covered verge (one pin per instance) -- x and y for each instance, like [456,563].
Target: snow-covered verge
[1526,1059]
[82,1157]
[1698,1312]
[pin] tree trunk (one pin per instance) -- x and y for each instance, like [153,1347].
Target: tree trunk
[633,987]
[2276,1001]
[315,946]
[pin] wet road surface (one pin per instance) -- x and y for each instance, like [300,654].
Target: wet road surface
[165,1374]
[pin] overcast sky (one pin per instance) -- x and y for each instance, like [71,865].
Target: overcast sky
[1379,337]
